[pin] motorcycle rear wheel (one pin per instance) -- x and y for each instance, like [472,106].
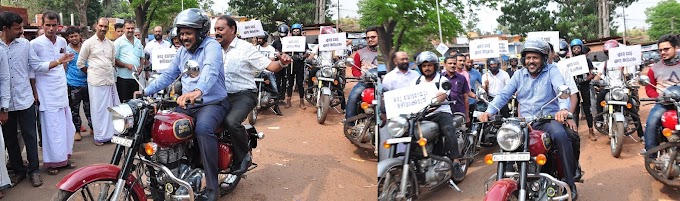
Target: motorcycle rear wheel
[389,191]
[322,110]
[616,142]
[86,193]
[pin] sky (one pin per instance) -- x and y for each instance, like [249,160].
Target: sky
[635,16]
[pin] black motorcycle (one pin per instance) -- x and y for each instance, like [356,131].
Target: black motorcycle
[266,97]
[325,89]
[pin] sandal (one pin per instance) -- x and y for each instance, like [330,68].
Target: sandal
[52,171]
[99,143]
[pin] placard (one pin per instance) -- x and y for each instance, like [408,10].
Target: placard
[441,48]
[552,37]
[293,43]
[330,42]
[625,56]
[503,47]
[162,58]
[484,48]
[409,100]
[576,65]
[249,29]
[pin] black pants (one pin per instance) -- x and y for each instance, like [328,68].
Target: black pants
[281,82]
[584,90]
[126,88]
[75,96]
[565,147]
[445,122]
[296,77]
[207,117]
[241,104]
[26,119]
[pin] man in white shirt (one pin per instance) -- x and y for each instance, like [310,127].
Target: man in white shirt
[157,43]
[269,52]
[494,81]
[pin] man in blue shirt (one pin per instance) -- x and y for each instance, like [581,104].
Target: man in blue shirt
[530,85]
[475,77]
[129,56]
[193,25]
[76,80]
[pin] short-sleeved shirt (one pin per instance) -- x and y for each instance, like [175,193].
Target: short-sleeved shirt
[496,82]
[129,53]
[268,51]
[241,62]
[459,87]
[440,79]
[74,76]
[396,79]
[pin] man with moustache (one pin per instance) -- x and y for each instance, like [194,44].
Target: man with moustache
[157,42]
[99,54]
[475,78]
[532,93]
[494,81]
[241,61]
[76,81]
[458,92]
[23,61]
[129,57]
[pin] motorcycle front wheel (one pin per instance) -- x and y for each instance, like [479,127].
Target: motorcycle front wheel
[95,191]
[322,110]
[616,142]
[388,185]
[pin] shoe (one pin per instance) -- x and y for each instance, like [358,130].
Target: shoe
[578,175]
[35,179]
[288,104]
[574,193]
[208,195]
[244,165]
[592,135]
[277,110]
[302,104]
[457,172]
[77,137]
[18,177]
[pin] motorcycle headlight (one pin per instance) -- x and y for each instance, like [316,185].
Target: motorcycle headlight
[397,126]
[509,137]
[122,118]
[327,72]
[618,94]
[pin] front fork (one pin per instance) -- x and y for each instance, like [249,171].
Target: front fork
[127,166]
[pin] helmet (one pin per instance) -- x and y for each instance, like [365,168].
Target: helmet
[577,41]
[609,45]
[427,56]
[537,46]
[193,18]
[564,48]
[296,26]
[283,30]
[491,61]
[172,33]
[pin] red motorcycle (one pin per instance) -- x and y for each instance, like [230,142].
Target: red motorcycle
[528,167]
[160,156]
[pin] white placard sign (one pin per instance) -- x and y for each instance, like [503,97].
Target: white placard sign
[293,44]
[249,29]
[484,48]
[552,37]
[576,65]
[441,48]
[330,42]
[409,100]
[625,56]
[162,58]
[503,47]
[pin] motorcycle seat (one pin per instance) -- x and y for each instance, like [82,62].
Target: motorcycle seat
[458,119]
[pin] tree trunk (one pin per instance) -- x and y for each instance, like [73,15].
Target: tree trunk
[140,17]
[81,6]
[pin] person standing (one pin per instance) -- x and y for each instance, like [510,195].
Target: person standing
[76,80]
[296,73]
[129,57]
[119,28]
[55,114]
[99,54]
[22,61]
[583,83]
[157,43]
[4,103]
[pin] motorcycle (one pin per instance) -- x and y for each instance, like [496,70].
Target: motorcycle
[527,166]
[617,113]
[326,90]
[364,132]
[422,167]
[265,97]
[159,154]
[666,166]
[484,132]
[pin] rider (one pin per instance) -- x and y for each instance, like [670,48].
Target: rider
[494,81]
[365,58]
[269,52]
[564,50]
[662,74]
[615,77]
[281,75]
[532,94]
[296,74]
[583,83]
[428,63]
[193,25]
[174,39]
[513,65]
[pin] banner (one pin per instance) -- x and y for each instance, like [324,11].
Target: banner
[409,100]
[161,58]
[625,56]
[484,48]
[503,47]
[293,43]
[249,29]
[552,37]
[576,65]
[330,42]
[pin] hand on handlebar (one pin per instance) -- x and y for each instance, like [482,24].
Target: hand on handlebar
[188,98]
[484,117]
[561,116]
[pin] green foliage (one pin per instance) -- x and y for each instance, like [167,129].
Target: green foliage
[270,11]
[525,16]
[661,16]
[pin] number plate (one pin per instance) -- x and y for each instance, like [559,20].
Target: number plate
[326,79]
[523,156]
[399,140]
[121,141]
[259,79]
[616,103]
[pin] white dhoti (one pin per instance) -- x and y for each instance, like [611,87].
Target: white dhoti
[57,136]
[101,98]
[4,176]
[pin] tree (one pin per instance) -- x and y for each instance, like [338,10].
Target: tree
[662,18]
[271,11]
[525,16]
[149,11]
[409,23]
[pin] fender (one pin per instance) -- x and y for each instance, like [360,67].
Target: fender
[386,164]
[501,190]
[78,178]
[618,116]
[326,91]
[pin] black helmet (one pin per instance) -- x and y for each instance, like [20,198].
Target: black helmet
[193,18]
[564,48]
[537,46]
[491,61]
[427,56]
[283,30]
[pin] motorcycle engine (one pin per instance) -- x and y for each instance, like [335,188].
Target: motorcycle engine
[174,159]
[358,127]
[265,97]
[435,171]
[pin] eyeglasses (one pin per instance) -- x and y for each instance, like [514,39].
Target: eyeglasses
[665,49]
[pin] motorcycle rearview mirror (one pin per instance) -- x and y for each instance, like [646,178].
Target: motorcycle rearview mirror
[192,68]
[446,86]
[644,80]
[349,61]
[565,92]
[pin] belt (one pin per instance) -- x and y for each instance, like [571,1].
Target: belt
[244,91]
